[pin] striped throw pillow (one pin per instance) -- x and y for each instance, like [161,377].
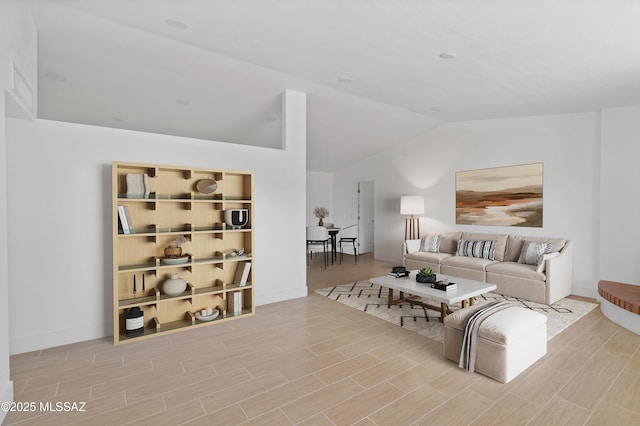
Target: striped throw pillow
[480,249]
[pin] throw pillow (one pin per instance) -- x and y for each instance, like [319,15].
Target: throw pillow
[431,243]
[532,252]
[412,246]
[480,249]
[544,257]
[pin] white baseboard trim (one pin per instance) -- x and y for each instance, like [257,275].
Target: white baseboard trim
[36,342]
[585,292]
[6,396]
[19,345]
[281,295]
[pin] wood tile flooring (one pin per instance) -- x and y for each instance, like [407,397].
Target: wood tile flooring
[312,361]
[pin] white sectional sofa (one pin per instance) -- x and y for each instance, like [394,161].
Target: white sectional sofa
[498,259]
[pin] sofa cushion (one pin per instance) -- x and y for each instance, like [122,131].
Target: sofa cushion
[532,252]
[500,239]
[449,242]
[464,262]
[430,243]
[423,256]
[480,249]
[514,269]
[514,245]
[412,245]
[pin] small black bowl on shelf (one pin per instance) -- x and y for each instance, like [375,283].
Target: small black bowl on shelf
[426,278]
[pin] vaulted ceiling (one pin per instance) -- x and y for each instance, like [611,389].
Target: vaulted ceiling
[377,72]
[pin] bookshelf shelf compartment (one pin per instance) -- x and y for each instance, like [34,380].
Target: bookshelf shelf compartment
[245,312]
[137,301]
[151,231]
[175,326]
[154,266]
[173,208]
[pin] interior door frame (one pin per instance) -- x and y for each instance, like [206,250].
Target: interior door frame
[359,215]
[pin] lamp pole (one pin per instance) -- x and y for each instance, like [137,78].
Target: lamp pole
[412,205]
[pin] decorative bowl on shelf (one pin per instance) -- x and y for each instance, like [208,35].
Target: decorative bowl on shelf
[426,278]
[174,260]
[211,317]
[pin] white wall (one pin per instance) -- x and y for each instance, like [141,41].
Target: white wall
[619,206]
[319,194]
[59,190]
[18,41]
[620,195]
[6,386]
[568,145]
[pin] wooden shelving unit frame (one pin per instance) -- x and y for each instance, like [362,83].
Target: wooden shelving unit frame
[173,209]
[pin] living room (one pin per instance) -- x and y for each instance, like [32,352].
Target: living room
[55,287]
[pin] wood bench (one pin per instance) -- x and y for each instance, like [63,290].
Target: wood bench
[625,296]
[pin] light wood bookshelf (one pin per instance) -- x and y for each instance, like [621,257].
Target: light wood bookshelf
[172,209]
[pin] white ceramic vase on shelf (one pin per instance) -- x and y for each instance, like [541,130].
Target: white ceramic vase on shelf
[174,285]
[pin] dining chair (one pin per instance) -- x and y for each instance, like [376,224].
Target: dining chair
[317,236]
[348,237]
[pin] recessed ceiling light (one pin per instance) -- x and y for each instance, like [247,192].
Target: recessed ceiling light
[447,55]
[176,24]
[183,102]
[344,80]
[52,75]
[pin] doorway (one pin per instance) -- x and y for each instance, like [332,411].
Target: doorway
[366,216]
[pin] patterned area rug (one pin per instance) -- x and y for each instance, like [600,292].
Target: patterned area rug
[372,299]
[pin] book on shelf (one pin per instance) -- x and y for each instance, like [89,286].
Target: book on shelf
[440,285]
[124,222]
[145,182]
[234,303]
[127,214]
[242,273]
[398,274]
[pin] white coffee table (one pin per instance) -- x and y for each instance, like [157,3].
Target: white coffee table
[466,291]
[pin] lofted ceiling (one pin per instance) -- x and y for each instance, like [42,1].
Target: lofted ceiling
[372,69]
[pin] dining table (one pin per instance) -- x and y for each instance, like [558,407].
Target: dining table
[333,235]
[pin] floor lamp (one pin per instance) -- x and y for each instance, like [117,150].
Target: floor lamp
[412,205]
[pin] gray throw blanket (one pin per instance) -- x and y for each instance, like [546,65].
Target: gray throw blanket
[471,327]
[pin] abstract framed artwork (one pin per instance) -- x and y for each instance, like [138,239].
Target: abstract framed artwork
[500,196]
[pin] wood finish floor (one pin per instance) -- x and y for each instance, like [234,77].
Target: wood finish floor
[312,361]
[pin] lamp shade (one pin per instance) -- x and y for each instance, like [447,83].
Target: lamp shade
[412,204]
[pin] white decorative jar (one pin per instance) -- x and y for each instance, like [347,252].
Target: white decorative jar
[174,286]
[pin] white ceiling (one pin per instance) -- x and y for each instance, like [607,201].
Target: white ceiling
[118,63]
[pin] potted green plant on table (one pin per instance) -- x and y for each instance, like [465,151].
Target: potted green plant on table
[426,275]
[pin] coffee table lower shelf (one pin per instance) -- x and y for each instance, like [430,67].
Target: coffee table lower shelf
[443,308]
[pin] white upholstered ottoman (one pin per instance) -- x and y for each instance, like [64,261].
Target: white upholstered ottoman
[509,341]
